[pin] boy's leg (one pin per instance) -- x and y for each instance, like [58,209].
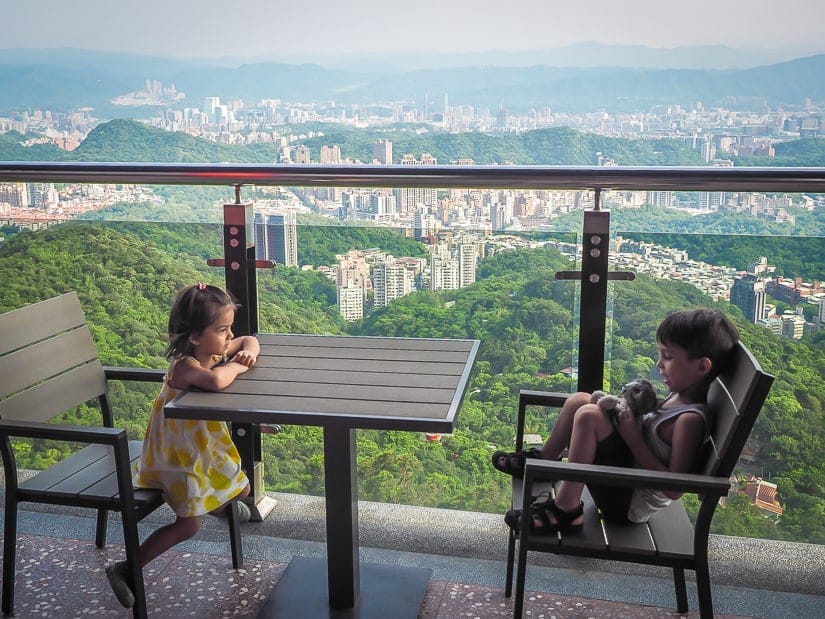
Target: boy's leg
[560,436]
[590,426]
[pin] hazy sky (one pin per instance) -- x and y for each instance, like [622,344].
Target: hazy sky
[207,28]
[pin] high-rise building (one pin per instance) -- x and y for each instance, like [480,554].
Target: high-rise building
[382,151]
[748,294]
[330,154]
[351,301]
[276,237]
[467,258]
[408,199]
[390,281]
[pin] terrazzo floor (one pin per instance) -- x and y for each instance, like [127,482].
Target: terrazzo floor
[59,577]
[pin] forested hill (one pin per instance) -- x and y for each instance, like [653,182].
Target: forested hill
[133,141]
[126,275]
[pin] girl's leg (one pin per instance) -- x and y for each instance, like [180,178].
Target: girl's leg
[242,494]
[164,538]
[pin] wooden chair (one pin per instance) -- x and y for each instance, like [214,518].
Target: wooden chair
[48,365]
[669,538]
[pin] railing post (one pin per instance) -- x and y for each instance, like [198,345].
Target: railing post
[593,303]
[242,284]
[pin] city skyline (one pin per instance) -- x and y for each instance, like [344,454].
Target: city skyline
[325,28]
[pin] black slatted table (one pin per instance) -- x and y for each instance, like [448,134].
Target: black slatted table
[344,383]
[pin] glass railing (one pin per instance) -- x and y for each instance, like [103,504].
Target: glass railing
[162,225]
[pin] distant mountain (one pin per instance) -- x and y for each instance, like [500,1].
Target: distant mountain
[88,79]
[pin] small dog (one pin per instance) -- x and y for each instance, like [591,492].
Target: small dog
[638,396]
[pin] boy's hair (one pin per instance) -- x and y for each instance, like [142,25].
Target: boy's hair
[195,308]
[702,333]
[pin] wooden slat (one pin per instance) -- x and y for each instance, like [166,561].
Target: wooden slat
[343,391]
[64,469]
[361,342]
[351,377]
[591,535]
[44,401]
[356,354]
[672,532]
[213,405]
[629,538]
[107,485]
[45,359]
[39,320]
[388,367]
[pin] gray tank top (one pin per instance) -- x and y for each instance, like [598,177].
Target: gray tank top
[646,502]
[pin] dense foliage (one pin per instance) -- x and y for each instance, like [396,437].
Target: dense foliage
[126,275]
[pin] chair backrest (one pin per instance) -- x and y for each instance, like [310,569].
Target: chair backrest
[734,400]
[48,360]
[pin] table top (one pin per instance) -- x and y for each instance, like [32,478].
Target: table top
[362,382]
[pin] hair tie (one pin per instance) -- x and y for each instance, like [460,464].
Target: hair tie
[201,286]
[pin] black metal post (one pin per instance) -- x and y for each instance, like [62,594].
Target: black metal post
[593,303]
[242,284]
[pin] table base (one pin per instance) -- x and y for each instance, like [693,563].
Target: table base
[262,508]
[386,591]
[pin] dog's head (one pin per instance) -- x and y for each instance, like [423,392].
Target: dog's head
[640,396]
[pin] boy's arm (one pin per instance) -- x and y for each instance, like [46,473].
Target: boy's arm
[688,432]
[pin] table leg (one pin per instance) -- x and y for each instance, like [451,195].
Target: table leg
[248,441]
[341,489]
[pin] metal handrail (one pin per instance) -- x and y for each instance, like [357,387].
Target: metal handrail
[794,180]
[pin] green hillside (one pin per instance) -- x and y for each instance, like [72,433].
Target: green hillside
[127,274]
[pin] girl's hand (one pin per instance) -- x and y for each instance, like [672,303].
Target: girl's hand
[245,357]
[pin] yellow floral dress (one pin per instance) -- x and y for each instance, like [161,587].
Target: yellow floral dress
[194,462]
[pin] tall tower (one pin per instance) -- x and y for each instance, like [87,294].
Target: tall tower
[382,151]
[748,294]
[276,237]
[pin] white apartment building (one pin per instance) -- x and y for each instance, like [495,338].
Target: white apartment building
[351,301]
[390,281]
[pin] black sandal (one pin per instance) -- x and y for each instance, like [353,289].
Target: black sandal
[512,462]
[540,512]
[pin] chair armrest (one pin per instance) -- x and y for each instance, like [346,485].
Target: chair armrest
[138,374]
[527,397]
[542,398]
[536,469]
[60,432]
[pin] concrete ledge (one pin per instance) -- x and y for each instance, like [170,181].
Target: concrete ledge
[739,562]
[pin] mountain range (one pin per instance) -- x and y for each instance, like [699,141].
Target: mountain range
[65,80]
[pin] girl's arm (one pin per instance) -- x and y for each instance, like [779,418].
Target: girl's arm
[244,350]
[243,353]
[688,433]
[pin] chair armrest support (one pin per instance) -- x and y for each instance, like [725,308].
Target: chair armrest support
[137,374]
[60,432]
[536,469]
[527,397]
[542,398]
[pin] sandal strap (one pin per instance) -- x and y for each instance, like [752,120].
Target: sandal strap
[563,517]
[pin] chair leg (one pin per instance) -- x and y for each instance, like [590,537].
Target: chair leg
[100,530]
[681,589]
[521,575]
[511,556]
[9,556]
[235,536]
[703,590]
[132,543]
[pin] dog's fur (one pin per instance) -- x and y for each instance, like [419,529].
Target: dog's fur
[638,396]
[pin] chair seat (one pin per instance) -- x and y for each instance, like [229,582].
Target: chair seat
[88,478]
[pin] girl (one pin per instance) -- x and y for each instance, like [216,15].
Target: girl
[194,462]
[694,347]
